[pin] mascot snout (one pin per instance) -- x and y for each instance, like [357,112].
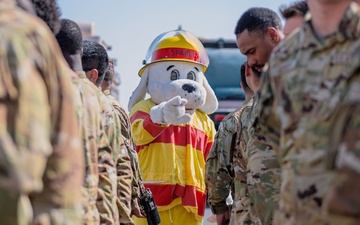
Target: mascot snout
[193,92]
[189,88]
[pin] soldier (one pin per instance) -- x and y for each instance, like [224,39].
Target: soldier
[89,114]
[128,186]
[257,31]
[115,87]
[293,15]
[41,153]
[95,63]
[48,11]
[223,173]
[309,107]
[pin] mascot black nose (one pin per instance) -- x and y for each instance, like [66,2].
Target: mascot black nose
[188,87]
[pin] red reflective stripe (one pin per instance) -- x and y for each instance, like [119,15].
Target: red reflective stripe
[138,115]
[207,149]
[189,200]
[176,53]
[152,128]
[177,135]
[164,194]
[140,147]
[182,136]
[201,202]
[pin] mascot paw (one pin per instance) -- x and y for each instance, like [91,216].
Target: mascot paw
[170,112]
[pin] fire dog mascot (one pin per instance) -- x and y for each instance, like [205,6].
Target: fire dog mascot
[171,129]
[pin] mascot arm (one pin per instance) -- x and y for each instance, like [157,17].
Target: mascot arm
[170,112]
[143,129]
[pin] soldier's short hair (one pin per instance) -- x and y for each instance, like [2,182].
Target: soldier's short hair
[70,37]
[243,76]
[49,12]
[110,73]
[258,19]
[299,8]
[95,57]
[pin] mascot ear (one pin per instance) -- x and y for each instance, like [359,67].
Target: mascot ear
[211,102]
[140,91]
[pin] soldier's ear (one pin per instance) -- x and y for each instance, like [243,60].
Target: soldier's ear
[273,35]
[92,75]
[242,85]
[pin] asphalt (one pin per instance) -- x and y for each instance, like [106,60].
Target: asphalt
[208,213]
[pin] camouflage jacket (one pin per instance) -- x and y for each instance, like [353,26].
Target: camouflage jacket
[309,107]
[123,166]
[262,172]
[41,151]
[94,141]
[224,165]
[107,199]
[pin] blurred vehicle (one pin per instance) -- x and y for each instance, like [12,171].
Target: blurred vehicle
[223,75]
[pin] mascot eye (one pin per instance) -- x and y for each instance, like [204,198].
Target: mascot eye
[191,75]
[174,75]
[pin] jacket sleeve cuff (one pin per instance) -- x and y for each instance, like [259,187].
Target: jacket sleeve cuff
[220,208]
[134,204]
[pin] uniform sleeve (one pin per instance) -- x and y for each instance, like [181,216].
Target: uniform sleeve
[24,129]
[263,176]
[128,141]
[266,123]
[23,93]
[124,172]
[124,189]
[135,170]
[106,202]
[343,197]
[107,174]
[219,174]
[135,181]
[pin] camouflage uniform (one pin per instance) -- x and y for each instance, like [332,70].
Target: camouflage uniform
[227,167]
[262,172]
[94,141]
[41,152]
[127,183]
[309,106]
[20,130]
[222,168]
[115,87]
[108,183]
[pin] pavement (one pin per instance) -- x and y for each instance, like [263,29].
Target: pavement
[207,220]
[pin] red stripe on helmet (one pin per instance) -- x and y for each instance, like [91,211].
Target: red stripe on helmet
[176,53]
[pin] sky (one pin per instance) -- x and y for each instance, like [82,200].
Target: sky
[130,26]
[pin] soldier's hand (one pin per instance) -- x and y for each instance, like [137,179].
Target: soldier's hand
[138,213]
[223,218]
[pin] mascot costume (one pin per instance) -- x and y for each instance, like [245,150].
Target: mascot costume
[171,129]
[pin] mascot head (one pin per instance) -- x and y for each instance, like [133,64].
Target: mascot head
[174,66]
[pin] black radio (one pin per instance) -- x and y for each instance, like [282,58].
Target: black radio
[149,207]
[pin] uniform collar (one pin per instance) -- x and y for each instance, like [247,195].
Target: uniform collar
[106,92]
[81,74]
[6,4]
[349,28]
